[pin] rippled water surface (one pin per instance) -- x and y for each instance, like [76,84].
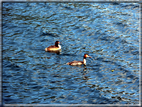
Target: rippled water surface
[109,32]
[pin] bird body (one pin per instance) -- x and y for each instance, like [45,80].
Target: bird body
[55,47]
[79,62]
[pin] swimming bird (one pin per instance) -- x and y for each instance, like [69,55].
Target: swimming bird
[79,62]
[55,47]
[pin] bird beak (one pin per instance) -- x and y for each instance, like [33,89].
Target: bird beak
[89,56]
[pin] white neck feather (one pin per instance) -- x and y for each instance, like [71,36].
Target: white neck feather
[59,46]
[84,61]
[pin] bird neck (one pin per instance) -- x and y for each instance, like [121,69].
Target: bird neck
[84,61]
[59,46]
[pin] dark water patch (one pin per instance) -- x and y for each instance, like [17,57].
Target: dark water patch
[135,52]
[115,3]
[67,8]
[120,24]
[36,87]
[100,59]
[68,54]
[134,5]
[50,34]
[13,66]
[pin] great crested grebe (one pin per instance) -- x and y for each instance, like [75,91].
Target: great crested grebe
[79,62]
[55,47]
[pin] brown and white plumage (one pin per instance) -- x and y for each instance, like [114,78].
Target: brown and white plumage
[55,47]
[79,62]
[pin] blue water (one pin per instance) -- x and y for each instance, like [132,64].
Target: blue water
[109,32]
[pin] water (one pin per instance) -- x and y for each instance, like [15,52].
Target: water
[109,32]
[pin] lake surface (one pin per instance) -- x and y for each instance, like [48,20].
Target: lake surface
[109,32]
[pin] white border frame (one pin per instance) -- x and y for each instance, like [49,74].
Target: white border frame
[95,1]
